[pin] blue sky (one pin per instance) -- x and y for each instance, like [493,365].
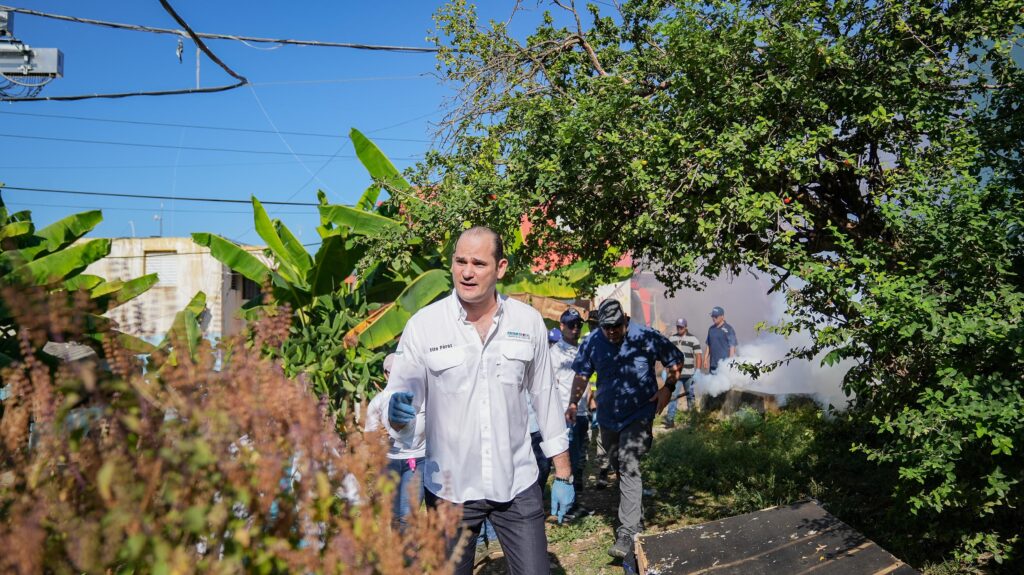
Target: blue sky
[392,97]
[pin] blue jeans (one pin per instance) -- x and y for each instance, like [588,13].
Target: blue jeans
[487,534]
[684,383]
[407,499]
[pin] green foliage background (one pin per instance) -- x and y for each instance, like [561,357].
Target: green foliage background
[866,155]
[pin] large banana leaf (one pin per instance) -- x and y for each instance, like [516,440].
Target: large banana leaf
[125,291]
[358,221]
[15,229]
[185,329]
[389,321]
[380,168]
[335,261]
[82,281]
[62,233]
[233,256]
[425,289]
[288,267]
[295,248]
[66,262]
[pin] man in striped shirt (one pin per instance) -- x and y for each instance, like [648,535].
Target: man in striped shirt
[693,360]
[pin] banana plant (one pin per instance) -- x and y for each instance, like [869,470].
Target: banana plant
[185,334]
[52,259]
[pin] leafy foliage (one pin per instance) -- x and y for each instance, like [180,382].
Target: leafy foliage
[191,468]
[866,155]
[52,259]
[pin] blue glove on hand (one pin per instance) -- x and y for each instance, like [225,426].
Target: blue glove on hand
[400,409]
[563,495]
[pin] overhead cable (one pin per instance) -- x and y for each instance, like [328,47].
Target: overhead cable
[195,126]
[154,196]
[234,37]
[114,95]
[165,209]
[171,147]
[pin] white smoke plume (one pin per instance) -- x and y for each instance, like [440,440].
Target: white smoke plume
[746,303]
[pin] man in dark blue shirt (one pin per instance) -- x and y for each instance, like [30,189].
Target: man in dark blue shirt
[628,398]
[721,342]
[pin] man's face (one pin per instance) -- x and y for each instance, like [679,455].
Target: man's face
[719,320]
[680,330]
[571,331]
[615,333]
[474,271]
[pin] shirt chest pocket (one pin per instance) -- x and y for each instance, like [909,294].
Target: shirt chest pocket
[447,366]
[515,358]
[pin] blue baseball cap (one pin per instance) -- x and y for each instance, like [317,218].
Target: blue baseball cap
[717,311]
[681,322]
[555,335]
[571,316]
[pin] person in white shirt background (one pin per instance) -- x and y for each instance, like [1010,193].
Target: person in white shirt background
[405,457]
[563,352]
[466,361]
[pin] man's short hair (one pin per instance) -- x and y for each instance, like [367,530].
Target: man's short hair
[499,245]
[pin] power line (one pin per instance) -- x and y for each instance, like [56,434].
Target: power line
[419,76]
[273,126]
[234,37]
[196,126]
[169,147]
[187,32]
[251,250]
[154,196]
[147,166]
[179,210]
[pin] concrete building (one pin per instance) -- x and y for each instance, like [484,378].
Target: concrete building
[184,268]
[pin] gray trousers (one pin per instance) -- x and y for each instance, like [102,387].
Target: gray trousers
[625,448]
[520,527]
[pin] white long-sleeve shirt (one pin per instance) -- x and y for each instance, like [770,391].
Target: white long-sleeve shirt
[562,356]
[478,440]
[410,444]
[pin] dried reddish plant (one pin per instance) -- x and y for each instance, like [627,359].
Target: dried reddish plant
[192,467]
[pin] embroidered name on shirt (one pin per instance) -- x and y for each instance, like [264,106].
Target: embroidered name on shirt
[445,346]
[517,335]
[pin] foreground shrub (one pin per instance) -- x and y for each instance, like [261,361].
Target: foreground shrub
[192,469]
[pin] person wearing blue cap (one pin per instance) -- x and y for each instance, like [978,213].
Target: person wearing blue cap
[562,355]
[693,359]
[721,341]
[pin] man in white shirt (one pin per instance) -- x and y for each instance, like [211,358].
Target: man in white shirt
[563,352]
[467,360]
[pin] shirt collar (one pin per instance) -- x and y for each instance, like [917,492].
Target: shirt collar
[460,311]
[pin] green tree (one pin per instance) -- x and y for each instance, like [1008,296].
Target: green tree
[865,154]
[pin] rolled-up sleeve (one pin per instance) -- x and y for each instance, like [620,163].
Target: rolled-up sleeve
[544,396]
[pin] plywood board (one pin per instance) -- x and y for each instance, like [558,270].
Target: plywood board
[792,540]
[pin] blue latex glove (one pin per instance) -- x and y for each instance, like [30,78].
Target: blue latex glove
[563,495]
[400,409]
[593,419]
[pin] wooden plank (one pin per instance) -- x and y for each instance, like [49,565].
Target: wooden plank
[799,538]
